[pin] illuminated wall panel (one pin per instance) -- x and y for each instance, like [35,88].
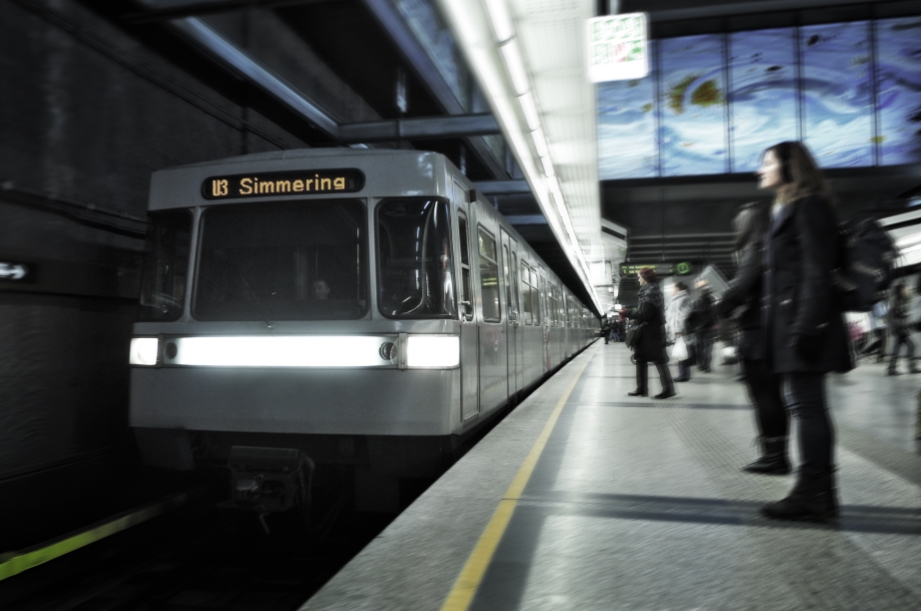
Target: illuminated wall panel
[627,146]
[692,103]
[898,44]
[837,93]
[763,95]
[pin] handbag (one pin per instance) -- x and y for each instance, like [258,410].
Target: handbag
[633,335]
[680,350]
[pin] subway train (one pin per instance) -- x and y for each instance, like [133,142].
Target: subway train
[334,307]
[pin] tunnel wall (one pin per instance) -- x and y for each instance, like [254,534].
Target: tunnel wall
[88,113]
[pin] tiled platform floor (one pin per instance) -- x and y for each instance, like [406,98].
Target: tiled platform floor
[640,504]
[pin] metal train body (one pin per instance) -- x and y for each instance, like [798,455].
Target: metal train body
[436,313]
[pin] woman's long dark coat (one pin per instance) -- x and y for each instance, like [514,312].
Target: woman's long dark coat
[650,310]
[800,303]
[744,292]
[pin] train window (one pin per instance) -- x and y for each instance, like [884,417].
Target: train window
[466,295]
[489,276]
[166,266]
[527,311]
[283,261]
[414,256]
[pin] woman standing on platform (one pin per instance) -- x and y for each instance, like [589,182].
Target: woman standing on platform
[803,329]
[744,293]
[650,345]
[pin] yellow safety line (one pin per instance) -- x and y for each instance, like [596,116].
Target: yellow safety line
[468,582]
[13,563]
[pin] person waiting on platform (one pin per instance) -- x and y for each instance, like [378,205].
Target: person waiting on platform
[803,327]
[702,321]
[676,324]
[743,299]
[899,305]
[649,344]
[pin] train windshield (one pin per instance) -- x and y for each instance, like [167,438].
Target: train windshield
[415,259]
[283,261]
[166,266]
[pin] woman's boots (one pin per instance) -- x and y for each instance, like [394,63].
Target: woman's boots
[773,459]
[814,498]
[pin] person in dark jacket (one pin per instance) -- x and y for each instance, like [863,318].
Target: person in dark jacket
[703,320]
[650,346]
[743,297]
[899,305]
[803,328]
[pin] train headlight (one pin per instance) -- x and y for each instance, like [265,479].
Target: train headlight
[432,351]
[144,351]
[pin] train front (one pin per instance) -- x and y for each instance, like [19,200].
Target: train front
[286,323]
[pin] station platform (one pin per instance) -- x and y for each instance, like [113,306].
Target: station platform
[585,498]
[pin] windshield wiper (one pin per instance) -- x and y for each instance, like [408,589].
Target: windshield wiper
[249,290]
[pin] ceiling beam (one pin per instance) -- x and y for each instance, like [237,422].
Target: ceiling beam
[180,9]
[426,128]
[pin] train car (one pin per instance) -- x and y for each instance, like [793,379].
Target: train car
[333,306]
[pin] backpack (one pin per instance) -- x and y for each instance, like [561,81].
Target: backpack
[866,254]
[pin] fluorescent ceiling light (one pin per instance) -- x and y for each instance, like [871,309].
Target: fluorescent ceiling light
[540,143]
[548,165]
[500,19]
[512,55]
[530,110]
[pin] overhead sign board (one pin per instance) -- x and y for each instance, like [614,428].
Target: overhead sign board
[618,47]
[662,268]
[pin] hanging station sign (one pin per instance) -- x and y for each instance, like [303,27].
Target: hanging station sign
[618,47]
[662,268]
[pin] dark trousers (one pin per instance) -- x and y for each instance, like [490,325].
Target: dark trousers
[764,390]
[901,338]
[684,369]
[703,346]
[804,397]
[642,377]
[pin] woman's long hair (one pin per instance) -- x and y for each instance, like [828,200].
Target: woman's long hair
[750,224]
[801,174]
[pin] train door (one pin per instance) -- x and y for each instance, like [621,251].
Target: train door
[493,344]
[546,317]
[469,340]
[513,319]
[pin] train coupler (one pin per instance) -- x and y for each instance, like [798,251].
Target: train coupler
[267,480]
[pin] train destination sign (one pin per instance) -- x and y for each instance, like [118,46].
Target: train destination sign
[679,268]
[299,182]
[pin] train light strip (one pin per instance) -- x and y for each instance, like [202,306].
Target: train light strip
[144,351]
[277,351]
[14,563]
[432,351]
[468,582]
[418,351]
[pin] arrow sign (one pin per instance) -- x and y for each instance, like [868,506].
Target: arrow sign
[12,271]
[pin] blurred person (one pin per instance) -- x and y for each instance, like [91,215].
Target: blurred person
[702,321]
[320,289]
[743,298]
[676,320]
[879,329]
[802,326]
[607,328]
[650,344]
[899,309]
